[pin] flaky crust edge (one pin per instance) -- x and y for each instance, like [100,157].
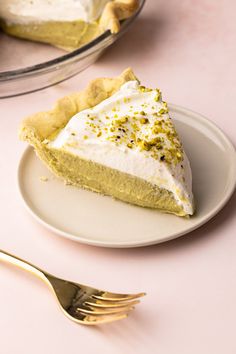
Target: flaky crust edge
[115,11]
[37,127]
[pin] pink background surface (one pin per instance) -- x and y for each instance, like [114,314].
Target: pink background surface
[188,49]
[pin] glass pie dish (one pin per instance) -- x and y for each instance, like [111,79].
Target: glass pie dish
[27,66]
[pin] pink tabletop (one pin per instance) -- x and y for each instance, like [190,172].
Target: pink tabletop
[188,49]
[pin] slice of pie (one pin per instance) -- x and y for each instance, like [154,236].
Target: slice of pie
[67,24]
[116,138]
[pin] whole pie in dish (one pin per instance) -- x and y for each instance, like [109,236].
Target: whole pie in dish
[67,24]
[115,138]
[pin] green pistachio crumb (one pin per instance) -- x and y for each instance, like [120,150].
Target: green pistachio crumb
[144,145]
[144,120]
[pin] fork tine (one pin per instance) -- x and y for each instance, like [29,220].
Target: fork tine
[110,304]
[116,297]
[95,320]
[104,312]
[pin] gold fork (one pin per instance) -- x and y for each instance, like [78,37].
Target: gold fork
[81,303]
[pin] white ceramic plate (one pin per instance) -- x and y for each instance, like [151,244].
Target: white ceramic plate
[102,221]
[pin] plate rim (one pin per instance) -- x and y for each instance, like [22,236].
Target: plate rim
[99,243]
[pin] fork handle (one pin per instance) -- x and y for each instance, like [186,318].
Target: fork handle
[9,258]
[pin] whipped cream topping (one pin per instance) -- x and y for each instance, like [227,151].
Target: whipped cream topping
[131,131]
[26,11]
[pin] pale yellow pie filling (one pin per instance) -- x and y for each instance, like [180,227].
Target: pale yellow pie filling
[42,128]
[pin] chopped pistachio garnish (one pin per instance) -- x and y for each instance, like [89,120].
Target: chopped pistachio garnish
[144,89]
[158,95]
[120,120]
[145,127]
[144,145]
[157,130]
[143,113]
[126,100]
[164,108]
[154,141]
[159,146]
[144,120]
[179,156]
